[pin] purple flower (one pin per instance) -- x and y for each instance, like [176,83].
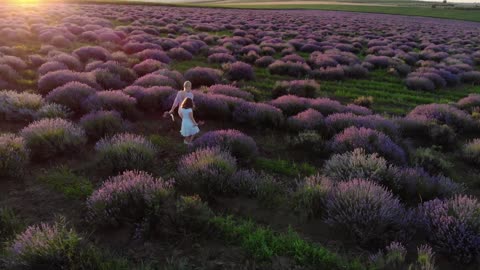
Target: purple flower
[92,52]
[371,140]
[367,211]
[239,71]
[445,114]
[206,171]
[221,58]
[54,79]
[453,226]
[258,114]
[202,76]
[306,120]
[339,121]
[48,138]
[71,95]
[133,195]
[240,145]
[230,90]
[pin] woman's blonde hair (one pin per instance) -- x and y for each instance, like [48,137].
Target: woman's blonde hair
[187,84]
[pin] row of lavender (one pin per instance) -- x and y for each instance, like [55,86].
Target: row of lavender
[431,53]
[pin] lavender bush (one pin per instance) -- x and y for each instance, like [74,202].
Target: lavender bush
[453,226]
[306,120]
[125,151]
[258,114]
[371,140]
[45,245]
[471,151]
[111,100]
[14,155]
[47,138]
[201,76]
[130,196]
[239,71]
[230,90]
[241,146]
[71,95]
[301,88]
[206,171]
[16,106]
[367,211]
[99,124]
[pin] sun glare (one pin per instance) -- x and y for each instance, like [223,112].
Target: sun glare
[25,2]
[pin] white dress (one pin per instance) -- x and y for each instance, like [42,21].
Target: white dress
[188,128]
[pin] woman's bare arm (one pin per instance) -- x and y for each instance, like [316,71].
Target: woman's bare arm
[176,102]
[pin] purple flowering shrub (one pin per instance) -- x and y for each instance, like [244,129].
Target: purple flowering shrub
[471,77]
[153,79]
[14,154]
[453,226]
[366,211]
[306,120]
[339,121]
[470,102]
[48,138]
[327,106]
[151,99]
[471,151]
[50,67]
[148,66]
[293,69]
[240,145]
[445,114]
[130,196]
[291,105]
[111,100]
[358,110]
[419,83]
[55,79]
[239,71]
[99,124]
[206,171]
[311,195]
[125,151]
[329,73]
[415,184]
[92,53]
[45,244]
[301,88]
[357,165]
[53,110]
[202,76]
[154,54]
[220,58]
[210,106]
[19,106]
[230,90]
[371,140]
[258,115]
[180,54]
[71,95]
[264,61]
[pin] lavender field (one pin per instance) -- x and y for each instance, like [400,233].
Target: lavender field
[332,140]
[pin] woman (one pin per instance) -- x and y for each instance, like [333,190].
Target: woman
[181,96]
[189,125]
